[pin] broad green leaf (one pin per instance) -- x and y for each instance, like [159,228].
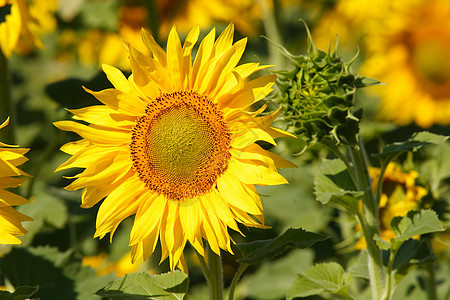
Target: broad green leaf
[382,244]
[360,269]
[47,211]
[334,185]
[328,277]
[144,285]
[56,273]
[412,252]
[21,293]
[416,141]
[258,251]
[273,278]
[415,223]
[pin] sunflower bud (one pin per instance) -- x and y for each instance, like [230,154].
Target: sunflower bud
[317,95]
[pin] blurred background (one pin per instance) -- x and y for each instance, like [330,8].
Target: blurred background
[53,48]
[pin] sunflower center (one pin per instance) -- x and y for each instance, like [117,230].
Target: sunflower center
[179,142]
[431,60]
[180,146]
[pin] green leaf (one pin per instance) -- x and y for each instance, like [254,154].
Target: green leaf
[328,277]
[415,223]
[412,252]
[334,185]
[258,251]
[21,293]
[138,286]
[48,212]
[56,273]
[273,278]
[382,244]
[417,141]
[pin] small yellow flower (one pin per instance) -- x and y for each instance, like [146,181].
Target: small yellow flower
[10,219]
[174,145]
[399,195]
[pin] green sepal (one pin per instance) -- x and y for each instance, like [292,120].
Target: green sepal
[143,285]
[259,251]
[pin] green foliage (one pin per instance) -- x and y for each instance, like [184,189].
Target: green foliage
[59,275]
[415,223]
[334,185]
[21,293]
[138,286]
[327,277]
[274,277]
[417,141]
[259,251]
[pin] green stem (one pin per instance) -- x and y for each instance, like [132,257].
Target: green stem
[204,266]
[6,108]
[215,268]
[388,289]
[342,157]
[271,28]
[213,273]
[431,281]
[240,271]
[369,220]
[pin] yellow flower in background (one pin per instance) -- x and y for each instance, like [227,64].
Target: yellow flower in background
[400,194]
[29,21]
[409,50]
[42,14]
[121,267]
[98,47]
[174,145]
[406,44]
[246,14]
[10,219]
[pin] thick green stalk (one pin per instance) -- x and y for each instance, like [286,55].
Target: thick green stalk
[212,269]
[6,108]
[215,268]
[431,280]
[369,221]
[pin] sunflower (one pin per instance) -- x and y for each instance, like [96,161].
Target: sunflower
[413,58]
[400,194]
[17,21]
[174,145]
[10,219]
[104,266]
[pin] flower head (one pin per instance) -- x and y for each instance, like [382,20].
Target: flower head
[413,59]
[400,194]
[174,145]
[10,219]
[317,95]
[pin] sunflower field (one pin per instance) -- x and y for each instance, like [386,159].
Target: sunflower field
[224,149]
